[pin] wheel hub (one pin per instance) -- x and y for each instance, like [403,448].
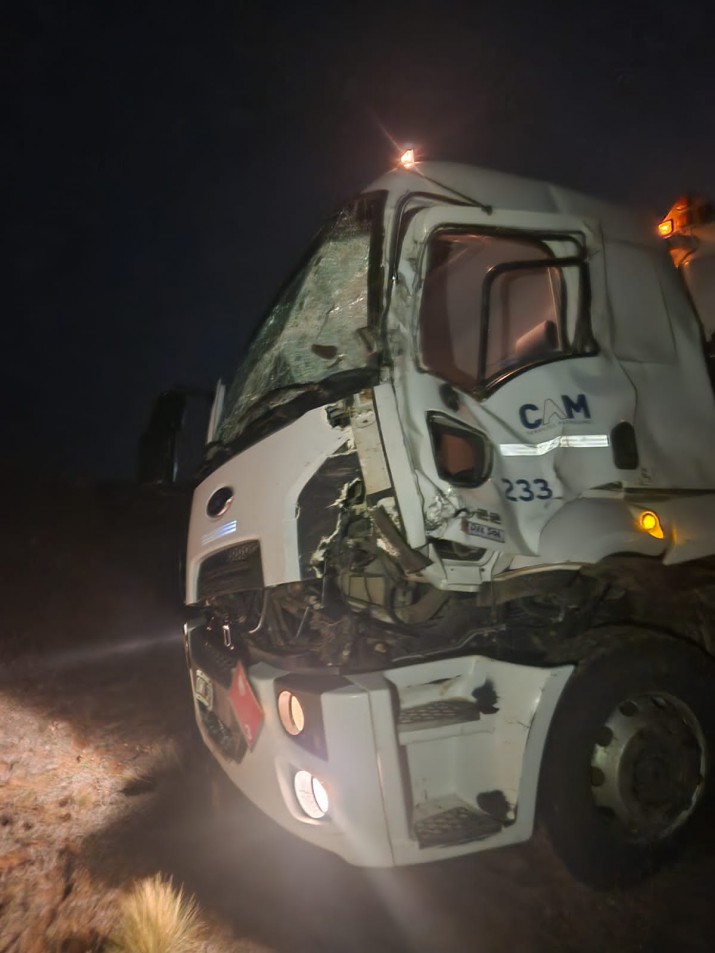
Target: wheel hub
[648,765]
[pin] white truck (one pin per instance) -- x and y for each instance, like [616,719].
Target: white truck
[451,551]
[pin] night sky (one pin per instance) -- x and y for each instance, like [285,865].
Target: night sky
[169,161]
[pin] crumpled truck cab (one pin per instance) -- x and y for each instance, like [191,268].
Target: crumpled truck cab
[466,441]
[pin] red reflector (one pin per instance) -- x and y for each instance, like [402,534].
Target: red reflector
[246,706]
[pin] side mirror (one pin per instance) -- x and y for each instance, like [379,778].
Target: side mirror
[157,460]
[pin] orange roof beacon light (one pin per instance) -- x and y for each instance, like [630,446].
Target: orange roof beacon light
[407,159]
[687,211]
[666,228]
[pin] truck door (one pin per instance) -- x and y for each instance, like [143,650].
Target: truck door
[507,399]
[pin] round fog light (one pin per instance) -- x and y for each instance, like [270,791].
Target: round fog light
[290,712]
[311,794]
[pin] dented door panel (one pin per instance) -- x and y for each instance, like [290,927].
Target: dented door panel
[548,426]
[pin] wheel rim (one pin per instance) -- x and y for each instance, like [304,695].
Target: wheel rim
[648,766]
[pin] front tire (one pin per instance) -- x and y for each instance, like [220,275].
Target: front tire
[628,761]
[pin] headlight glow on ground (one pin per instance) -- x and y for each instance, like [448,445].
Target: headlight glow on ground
[311,794]
[290,712]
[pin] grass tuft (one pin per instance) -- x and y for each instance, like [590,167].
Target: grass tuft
[156,918]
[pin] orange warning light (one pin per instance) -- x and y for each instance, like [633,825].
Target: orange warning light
[649,523]
[666,228]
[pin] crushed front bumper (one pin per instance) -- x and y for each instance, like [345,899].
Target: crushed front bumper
[419,763]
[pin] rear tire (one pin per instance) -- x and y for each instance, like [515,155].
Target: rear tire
[628,763]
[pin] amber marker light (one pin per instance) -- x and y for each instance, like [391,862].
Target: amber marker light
[666,228]
[649,523]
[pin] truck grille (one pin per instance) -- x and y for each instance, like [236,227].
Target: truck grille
[234,569]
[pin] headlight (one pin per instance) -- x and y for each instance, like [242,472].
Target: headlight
[299,706]
[290,712]
[311,794]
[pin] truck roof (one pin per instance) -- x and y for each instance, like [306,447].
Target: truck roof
[505,191]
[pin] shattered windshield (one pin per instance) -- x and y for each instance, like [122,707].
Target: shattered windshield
[318,327]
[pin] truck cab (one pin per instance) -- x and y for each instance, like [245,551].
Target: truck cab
[466,457]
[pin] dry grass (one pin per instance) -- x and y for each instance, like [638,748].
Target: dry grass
[160,762]
[156,918]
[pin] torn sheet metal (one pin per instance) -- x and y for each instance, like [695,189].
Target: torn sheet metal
[321,507]
[368,443]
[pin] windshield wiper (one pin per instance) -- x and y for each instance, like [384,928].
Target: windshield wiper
[281,406]
[292,401]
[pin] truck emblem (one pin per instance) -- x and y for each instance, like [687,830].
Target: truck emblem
[219,502]
[553,411]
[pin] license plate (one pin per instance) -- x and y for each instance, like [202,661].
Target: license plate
[203,689]
[246,706]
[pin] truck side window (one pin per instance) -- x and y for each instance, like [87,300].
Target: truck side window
[524,307]
[524,319]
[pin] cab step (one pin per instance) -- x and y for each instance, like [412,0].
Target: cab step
[449,821]
[438,714]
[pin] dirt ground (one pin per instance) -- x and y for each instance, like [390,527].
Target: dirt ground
[101,783]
